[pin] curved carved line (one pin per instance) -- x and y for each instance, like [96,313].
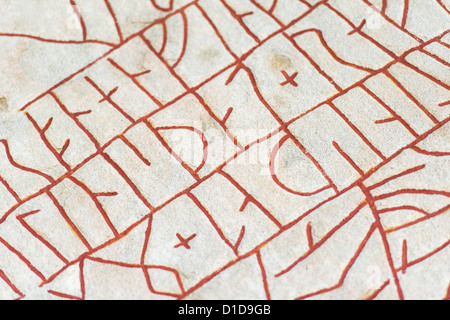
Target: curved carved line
[161,8]
[430,153]
[199,133]
[21,167]
[330,51]
[185,39]
[278,182]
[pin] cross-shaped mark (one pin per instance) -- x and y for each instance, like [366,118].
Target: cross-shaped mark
[109,95]
[184,242]
[289,79]
[358,29]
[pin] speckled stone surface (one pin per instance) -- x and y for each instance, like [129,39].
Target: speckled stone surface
[224,149]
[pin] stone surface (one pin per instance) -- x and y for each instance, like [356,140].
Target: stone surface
[224,149]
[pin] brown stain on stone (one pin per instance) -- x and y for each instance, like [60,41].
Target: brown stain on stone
[209,54]
[4,104]
[280,62]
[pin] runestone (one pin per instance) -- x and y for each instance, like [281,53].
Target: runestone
[225,149]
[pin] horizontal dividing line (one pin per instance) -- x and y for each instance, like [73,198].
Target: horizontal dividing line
[28,36]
